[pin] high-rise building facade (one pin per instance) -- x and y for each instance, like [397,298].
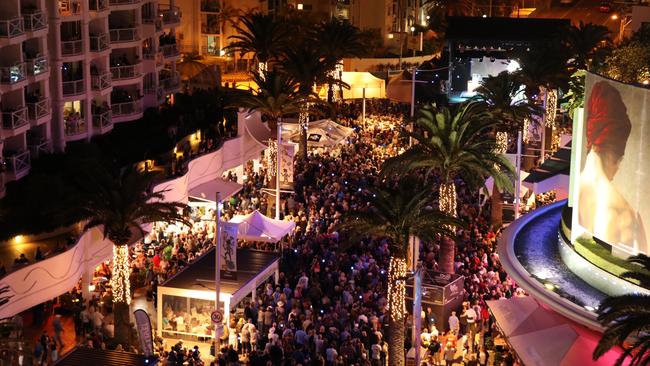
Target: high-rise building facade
[71,69]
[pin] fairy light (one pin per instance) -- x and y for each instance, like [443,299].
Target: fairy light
[263,68]
[502,142]
[121,271]
[551,108]
[448,199]
[303,118]
[397,288]
[526,127]
[270,158]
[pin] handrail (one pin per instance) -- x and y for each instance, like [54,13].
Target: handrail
[38,109]
[14,119]
[102,120]
[169,14]
[75,128]
[18,162]
[35,21]
[12,27]
[12,74]
[123,2]
[99,42]
[101,81]
[125,71]
[127,108]
[97,5]
[169,50]
[74,87]
[123,34]
[72,48]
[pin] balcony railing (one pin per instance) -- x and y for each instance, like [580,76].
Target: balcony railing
[98,5]
[38,109]
[170,50]
[124,2]
[12,27]
[99,42]
[36,149]
[169,83]
[125,72]
[169,14]
[74,127]
[149,53]
[69,7]
[35,21]
[127,108]
[124,35]
[102,120]
[18,162]
[71,48]
[12,120]
[74,87]
[12,74]
[37,66]
[101,81]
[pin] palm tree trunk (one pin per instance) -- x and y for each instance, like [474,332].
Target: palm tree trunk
[121,286]
[447,204]
[303,127]
[496,208]
[397,309]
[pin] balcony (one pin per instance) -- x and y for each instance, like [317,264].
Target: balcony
[127,109]
[124,35]
[170,50]
[101,82]
[38,110]
[71,88]
[125,72]
[170,83]
[37,66]
[39,148]
[72,48]
[69,7]
[14,120]
[13,27]
[12,74]
[35,21]
[98,5]
[99,42]
[75,127]
[102,122]
[18,163]
[170,15]
[124,2]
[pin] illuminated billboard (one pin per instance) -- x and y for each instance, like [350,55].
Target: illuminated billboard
[612,147]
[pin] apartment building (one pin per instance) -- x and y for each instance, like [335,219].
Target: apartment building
[71,69]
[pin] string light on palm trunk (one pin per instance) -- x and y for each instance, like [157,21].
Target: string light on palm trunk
[501,142]
[271,158]
[303,117]
[526,127]
[120,277]
[397,288]
[263,68]
[551,108]
[447,202]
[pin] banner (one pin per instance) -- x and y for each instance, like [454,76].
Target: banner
[287,152]
[229,250]
[143,324]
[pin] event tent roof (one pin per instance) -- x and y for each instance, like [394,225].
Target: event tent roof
[542,337]
[257,227]
[207,190]
[103,357]
[322,133]
[375,87]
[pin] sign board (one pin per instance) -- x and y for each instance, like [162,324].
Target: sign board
[219,330]
[143,324]
[229,232]
[287,152]
[217,317]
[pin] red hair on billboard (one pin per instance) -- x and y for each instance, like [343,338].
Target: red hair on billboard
[608,125]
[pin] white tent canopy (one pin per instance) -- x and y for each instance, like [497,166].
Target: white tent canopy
[207,190]
[321,133]
[257,227]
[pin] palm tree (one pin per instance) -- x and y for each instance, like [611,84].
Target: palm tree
[119,204]
[454,143]
[308,67]
[588,44]
[505,97]
[189,67]
[627,316]
[398,211]
[544,65]
[261,35]
[338,39]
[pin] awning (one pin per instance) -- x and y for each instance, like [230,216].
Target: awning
[257,227]
[207,190]
[552,174]
[374,86]
[399,88]
[256,128]
[542,337]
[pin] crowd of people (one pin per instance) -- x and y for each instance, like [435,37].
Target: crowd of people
[329,305]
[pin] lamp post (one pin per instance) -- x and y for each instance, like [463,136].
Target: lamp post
[217,270]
